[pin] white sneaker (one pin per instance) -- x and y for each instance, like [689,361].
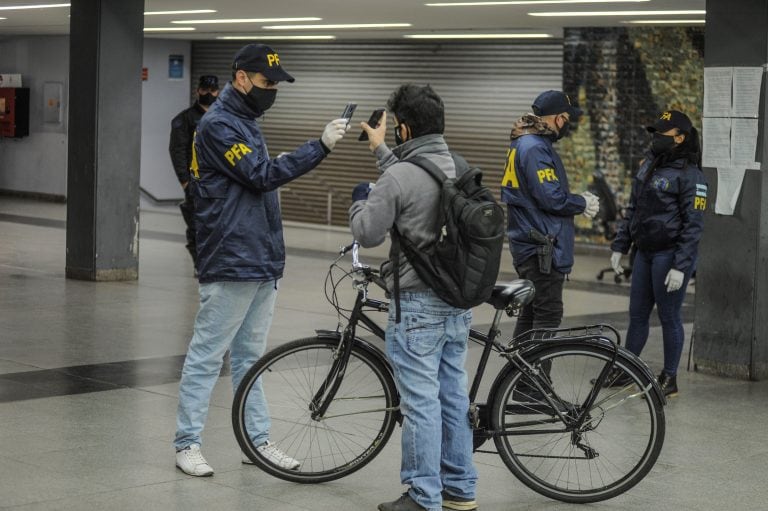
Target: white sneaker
[277,457]
[190,460]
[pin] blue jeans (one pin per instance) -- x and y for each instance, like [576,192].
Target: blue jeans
[648,273]
[428,350]
[234,316]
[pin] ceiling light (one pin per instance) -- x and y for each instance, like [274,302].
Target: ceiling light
[168,29]
[244,20]
[530,2]
[657,22]
[38,6]
[477,36]
[280,37]
[347,25]
[616,13]
[198,11]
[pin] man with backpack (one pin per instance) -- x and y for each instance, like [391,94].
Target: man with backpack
[426,337]
[541,207]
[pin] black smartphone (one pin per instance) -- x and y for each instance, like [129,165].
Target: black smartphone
[373,121]
[348,111]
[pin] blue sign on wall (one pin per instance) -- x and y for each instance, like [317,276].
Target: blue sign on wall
[175,66]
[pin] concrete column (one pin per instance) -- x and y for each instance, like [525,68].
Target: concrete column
[106,45]
[731,325]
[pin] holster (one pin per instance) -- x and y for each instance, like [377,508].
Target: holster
[543,251]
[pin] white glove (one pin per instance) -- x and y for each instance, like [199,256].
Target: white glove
[674,280]
[333,132]
[593,204]
[616,263]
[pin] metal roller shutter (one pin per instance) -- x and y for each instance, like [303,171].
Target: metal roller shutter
[485,87]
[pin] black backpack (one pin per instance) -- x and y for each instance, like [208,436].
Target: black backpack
[462,265]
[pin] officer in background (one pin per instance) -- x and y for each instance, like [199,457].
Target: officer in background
[541,207]
[240,248]
[664,220]
[183,128]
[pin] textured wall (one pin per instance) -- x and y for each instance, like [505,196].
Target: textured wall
[623,77]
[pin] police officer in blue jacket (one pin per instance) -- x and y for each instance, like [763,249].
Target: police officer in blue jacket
[240,250]
[664,221]
[541,207]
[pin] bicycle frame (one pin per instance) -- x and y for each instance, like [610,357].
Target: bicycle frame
[324,396]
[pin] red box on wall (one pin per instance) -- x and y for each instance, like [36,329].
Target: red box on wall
[14,112]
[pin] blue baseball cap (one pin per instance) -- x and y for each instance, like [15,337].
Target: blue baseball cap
[553,102]
[671,119]
[260,58]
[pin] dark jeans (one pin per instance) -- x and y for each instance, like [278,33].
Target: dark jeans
[546,309]
[648,273]
[188,212]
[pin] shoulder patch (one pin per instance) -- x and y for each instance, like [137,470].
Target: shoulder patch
[660,183]
[177,123]
[701,190]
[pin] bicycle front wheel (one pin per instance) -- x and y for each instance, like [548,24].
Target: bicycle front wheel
[605,454]
[351,432]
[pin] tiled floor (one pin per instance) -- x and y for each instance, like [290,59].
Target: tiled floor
[89,376]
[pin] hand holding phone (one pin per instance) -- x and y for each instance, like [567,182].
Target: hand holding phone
[373,122]
[348,111]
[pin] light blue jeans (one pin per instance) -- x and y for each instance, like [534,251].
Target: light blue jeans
[234,316]
[428,350]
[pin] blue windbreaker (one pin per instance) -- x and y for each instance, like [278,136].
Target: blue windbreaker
[535,189]
[237,214]
[666,211]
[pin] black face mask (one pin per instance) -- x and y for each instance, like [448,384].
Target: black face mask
[398,139]
[661,144]
[564,131]
[206,99]
[259,100]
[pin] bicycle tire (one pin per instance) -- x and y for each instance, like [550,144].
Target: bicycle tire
[333,447]
[624,435]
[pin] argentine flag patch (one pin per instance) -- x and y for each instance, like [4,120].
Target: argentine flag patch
[701,191]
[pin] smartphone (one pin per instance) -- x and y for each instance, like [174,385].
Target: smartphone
[348,111]
[373,121]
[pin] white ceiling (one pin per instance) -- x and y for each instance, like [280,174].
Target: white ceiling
[424,19]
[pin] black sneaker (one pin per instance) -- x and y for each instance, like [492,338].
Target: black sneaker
[458,503]
[404,503]
[668,384]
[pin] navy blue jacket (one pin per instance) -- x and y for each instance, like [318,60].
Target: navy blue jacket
[237,214]
[666,211]
[535,189]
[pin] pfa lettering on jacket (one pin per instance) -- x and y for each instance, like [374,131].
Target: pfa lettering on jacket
[700,201]
[236,153]
[547,175]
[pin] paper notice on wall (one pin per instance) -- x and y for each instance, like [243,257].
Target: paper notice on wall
[717,91]
[746,91]
[744,143]
[729,181]
[717,142]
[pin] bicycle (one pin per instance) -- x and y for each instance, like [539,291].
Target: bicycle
[556,413]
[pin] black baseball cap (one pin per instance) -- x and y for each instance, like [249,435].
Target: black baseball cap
[553,102]
[208,82]
[671,119]
[260,58]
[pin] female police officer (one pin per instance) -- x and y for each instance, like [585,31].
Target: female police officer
[664,221]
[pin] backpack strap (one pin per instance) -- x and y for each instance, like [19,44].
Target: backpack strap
[439,176]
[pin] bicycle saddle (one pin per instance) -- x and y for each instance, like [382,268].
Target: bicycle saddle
[515,294]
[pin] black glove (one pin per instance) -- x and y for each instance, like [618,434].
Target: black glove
[361,191]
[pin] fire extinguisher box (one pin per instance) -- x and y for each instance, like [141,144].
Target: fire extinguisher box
[14,112]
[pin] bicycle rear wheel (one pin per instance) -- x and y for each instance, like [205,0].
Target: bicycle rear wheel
[352,431]
[608,454]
